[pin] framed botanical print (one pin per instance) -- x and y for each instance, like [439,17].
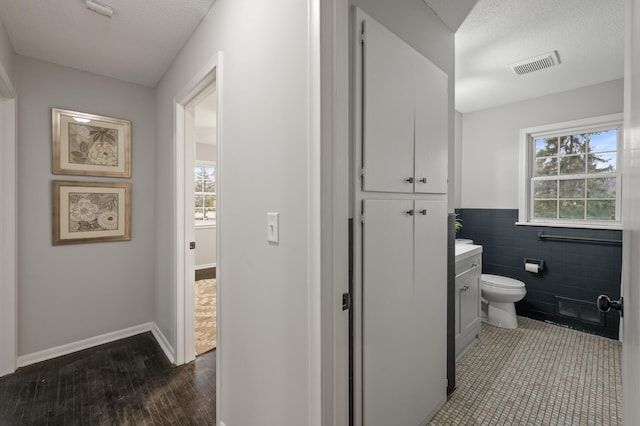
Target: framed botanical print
[88,212]
[90,145]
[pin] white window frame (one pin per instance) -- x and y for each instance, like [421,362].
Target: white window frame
[206,223]
[527,153]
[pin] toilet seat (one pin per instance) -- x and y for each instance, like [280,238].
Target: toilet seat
[502,282]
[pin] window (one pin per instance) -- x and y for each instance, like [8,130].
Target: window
[572,173]
[205,194]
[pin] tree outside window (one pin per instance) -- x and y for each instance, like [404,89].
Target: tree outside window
[575,176]
[205,194]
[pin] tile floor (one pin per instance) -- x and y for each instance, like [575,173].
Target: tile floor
[538,374]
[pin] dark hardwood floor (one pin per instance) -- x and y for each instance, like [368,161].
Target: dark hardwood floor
[128,382]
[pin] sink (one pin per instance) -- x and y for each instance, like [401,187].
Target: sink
[464,250]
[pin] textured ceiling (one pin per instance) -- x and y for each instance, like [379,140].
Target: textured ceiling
[137,44]
[588,35]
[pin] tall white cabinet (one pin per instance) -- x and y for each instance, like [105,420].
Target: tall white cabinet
[400,234]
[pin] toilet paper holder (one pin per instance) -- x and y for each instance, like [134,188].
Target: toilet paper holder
[537,262]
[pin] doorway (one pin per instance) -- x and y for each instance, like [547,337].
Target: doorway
[198,205]
[204,172]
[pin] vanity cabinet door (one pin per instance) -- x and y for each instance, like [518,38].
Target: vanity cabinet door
[469,288]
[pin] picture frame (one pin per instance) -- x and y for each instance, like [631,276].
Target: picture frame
[90,212]
[90,145]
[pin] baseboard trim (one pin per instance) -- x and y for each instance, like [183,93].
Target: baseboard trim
[164,343]
[61,350]
[205,266]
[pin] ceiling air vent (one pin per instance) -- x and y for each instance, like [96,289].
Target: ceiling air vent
[536,63]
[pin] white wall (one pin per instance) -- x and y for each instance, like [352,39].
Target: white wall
[265,325]
[419,26]
[6,52]
[490,139]
[73,292]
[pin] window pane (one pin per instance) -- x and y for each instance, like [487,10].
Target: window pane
[601,188]
[572,209]
[545,209]
[199,201]
[574,144]
[546,167]
[546,147]
[210,213]
[209,200]
[199,186]
[545,189]
[199,214]
[572,188]
[573,165]
[601,163]
[603,141]
[600,209]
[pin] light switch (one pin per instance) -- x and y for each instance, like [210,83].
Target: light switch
[273,227]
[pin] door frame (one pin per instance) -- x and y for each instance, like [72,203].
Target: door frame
[631,207]
[8,227]
[210,74]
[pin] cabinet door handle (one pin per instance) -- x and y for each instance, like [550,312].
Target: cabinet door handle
[410,180]
[465,288]
[423,180]
[423,212]
[474,265]
[409,212]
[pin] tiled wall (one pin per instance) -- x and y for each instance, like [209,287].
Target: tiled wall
[575,273]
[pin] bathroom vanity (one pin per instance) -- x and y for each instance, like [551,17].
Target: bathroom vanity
[468,267]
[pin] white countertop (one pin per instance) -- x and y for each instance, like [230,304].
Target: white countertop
[464,251]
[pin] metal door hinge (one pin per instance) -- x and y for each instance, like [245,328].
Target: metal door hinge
[362,172]
[363,37]
[346,301]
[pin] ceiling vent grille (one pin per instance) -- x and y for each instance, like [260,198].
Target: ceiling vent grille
[536,63]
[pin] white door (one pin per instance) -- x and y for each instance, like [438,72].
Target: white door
[631,214]
[431,127]
[388,132]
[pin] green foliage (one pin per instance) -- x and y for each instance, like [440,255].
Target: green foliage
[574,198]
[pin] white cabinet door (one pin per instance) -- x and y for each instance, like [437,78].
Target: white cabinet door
[387,294]
[469,301]
[431,127]
[388,131]
[404,311]
[429,309]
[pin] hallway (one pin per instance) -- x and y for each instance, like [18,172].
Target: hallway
[127,382]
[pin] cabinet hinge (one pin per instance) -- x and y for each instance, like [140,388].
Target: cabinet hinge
[362,218]
[362,173]
[346,301]
[363,37]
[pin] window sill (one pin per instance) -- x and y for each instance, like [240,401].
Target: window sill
[206,226]
[612,227]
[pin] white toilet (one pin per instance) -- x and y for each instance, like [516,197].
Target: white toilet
[500,294]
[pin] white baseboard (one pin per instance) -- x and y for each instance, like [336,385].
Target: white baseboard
[164,343]
[205,266]
[57,351]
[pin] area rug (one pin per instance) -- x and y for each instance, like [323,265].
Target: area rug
[206,324]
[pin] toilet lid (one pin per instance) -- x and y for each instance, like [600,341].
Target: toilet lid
[499,281]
